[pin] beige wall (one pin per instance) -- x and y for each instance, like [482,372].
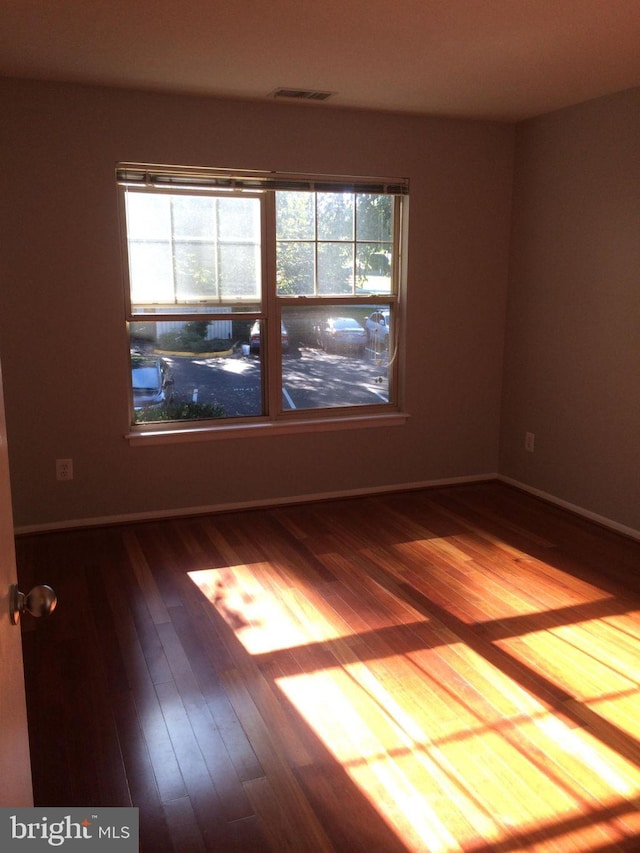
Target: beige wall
[572,358]
[62,341]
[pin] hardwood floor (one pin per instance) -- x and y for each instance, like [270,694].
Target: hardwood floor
[452,669]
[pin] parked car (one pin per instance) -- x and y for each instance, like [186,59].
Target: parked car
[151,381]
[254,338]
[341,333]
[377,326]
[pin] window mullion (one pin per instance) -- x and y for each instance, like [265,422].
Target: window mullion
[272,355]
[216,246]
[172,238]
[396,332]
[354,247]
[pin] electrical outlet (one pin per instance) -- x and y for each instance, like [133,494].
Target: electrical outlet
[529,441]
[64,469]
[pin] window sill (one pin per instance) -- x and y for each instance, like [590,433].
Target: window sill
[253,430]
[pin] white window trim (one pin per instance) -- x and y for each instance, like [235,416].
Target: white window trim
[206,432]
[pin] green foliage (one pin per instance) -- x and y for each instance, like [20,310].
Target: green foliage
[196,328]
[295,227]
[193,274]
[191,338]
[341,223]
[188,411]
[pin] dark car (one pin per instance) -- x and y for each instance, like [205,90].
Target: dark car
[151,382]
[342,333]
[254,338]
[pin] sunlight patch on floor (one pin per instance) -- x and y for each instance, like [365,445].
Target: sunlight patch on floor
[353,735]
[483,787]
[451,751]
[262,620]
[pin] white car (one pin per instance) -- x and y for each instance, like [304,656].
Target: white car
[151,381]
[377,326]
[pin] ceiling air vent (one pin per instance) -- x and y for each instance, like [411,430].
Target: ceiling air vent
[302,94]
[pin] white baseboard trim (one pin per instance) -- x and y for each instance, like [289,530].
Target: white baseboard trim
[631,532]
[213,509]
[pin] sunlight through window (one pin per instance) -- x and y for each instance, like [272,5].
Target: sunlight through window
[451,751]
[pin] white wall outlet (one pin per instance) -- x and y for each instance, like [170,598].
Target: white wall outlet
[529,442]
[64,469]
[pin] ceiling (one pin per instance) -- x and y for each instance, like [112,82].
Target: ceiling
[498,59]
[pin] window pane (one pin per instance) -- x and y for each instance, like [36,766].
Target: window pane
[148,216]
[194,269]
[373,263]
[149,234]
[189,371]
[335,268]
[323,264]
[331,359]
[193,223]
[239,219]
[192,217]
[150,272]
[185,248]
[295,268]
[374,218]
[239,271]
[295,216]
[335,216]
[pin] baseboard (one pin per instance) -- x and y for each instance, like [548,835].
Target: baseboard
[212,509]
[601,520]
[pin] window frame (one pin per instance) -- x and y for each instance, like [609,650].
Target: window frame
[264,186]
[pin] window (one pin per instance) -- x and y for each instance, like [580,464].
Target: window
[258,298]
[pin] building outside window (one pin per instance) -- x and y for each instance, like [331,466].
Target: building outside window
[256,298]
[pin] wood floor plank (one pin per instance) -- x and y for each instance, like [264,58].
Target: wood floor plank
[145,578]
[351,823]
[184,834]
[442,670]
[294,815]
[281,830]
[206,737]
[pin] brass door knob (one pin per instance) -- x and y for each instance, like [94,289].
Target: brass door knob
[41,601]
